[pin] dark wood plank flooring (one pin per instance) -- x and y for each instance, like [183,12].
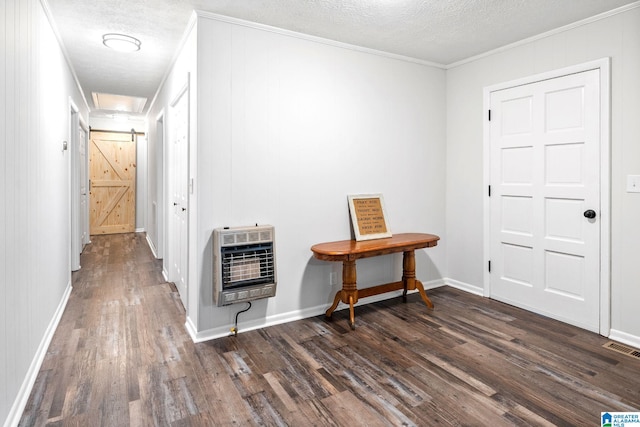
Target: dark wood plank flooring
[121,356]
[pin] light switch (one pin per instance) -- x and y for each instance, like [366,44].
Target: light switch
[633,183]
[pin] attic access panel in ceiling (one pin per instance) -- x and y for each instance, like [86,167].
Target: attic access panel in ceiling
[129,104]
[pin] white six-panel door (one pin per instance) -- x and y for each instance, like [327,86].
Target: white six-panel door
[545,177]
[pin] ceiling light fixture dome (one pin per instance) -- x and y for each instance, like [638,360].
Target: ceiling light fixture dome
[121,42]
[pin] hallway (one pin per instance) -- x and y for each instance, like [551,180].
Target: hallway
[122,357]
[116,342]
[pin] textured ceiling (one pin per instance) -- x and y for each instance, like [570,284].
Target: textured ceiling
[436,31]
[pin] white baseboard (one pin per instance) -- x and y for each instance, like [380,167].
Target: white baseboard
[191,329]
[152,247]
[27,385]
[476,290]
[139,230]
[225,331]
[432,284]
[625,338]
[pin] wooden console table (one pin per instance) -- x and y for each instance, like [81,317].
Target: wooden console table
[348,251]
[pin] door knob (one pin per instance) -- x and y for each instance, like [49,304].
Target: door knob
[590,214]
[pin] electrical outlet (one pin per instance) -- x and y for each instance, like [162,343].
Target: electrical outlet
[333,278]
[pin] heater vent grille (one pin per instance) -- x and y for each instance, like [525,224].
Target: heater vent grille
[232,237]
[621,348]
[247,265]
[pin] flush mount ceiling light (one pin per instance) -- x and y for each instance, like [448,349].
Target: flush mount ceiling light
[121,42]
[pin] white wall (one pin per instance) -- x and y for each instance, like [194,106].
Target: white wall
[35,275]
[617,37]
[287,128]
[182,72]
[139,124]
[155,190]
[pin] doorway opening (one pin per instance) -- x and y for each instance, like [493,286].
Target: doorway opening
[112,182]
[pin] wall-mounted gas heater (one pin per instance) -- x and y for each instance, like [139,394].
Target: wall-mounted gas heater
[244,264]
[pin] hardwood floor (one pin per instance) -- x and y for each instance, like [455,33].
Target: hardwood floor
[121,356]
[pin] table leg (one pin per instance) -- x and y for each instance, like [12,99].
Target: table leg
[352,316]
[349,292]
[409,278]
[423,294]
[408,272]
[349,288]
[336,300]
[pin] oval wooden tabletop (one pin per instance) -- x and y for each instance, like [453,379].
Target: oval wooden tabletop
[352,249]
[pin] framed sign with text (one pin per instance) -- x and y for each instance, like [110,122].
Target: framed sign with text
[368,216]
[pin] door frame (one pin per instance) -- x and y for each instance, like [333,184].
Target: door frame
[171,242]
[84,214]
[78,218]
[159,174]
[604,67]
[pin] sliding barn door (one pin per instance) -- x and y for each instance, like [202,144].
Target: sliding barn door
[112,167]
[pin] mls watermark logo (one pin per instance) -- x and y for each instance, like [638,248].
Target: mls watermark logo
[619,419]
[606,419]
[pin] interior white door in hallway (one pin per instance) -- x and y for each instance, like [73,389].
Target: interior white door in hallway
[179,190]
[545,197]
[79,181]
[84,180]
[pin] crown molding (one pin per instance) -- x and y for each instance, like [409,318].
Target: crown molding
[315,39]
[550,33]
